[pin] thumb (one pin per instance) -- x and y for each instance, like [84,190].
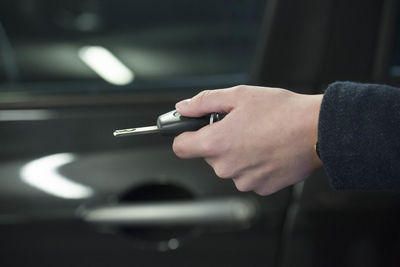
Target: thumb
[206,102]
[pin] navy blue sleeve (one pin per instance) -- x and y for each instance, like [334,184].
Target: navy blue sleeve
[359,136]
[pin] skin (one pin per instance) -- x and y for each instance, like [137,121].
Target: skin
[266,141]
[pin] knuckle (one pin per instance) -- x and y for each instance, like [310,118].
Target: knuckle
[201,97]
[239,88]
[224,171]
[262,192]
[207,148]
[211,144]
[242,185]
[266,191]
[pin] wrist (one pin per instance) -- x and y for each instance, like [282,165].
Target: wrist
[316,106]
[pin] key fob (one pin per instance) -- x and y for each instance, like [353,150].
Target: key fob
[173,124]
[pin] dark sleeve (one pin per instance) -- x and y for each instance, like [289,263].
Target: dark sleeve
[359,136]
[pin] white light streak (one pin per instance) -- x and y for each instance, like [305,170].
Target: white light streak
[43,174]
[106,65]
[25,115]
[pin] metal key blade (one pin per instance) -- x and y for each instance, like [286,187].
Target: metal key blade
[136,131]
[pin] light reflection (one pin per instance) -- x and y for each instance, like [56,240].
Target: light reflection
[106,65]
[43,174]
[25,115]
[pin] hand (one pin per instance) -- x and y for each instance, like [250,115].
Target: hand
[265,142]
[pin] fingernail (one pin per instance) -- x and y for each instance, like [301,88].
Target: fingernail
[182,104]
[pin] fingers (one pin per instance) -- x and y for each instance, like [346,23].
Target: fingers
[208,140]
[194,144]
[206,102]
[260,187]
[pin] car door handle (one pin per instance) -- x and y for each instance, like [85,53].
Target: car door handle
[223,211]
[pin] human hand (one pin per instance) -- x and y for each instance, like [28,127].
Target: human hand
[265,142]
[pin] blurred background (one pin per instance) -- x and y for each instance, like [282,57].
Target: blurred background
[71,72]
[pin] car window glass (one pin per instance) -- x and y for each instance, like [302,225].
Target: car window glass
[127,43]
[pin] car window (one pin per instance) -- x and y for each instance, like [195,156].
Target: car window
[127,44]
[394,64]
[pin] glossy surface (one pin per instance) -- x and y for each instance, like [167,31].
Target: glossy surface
[134,171]
[58,157]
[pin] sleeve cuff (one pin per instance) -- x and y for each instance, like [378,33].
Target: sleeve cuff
[358,136]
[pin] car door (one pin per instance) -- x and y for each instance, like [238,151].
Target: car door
[74,195]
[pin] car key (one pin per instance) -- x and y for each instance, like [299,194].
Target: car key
[172,124]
